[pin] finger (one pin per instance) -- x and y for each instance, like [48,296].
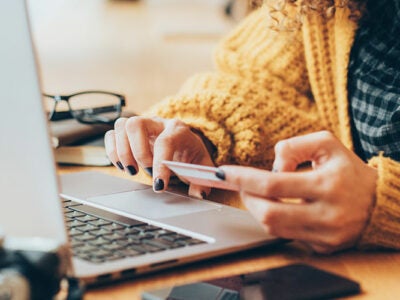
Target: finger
[274,185]
[290,221]
[124,151]
[315,147]
[141,133]
[164,148]
[111,149]
[198,191]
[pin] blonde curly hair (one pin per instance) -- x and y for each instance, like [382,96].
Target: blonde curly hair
[288,15]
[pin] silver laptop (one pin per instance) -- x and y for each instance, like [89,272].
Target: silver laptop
[114,227]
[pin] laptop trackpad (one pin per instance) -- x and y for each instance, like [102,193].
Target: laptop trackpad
[148,204]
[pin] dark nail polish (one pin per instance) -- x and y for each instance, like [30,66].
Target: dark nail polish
[220,174]
[158,184]
[120,166]
[203,195]
[149,171]
[131,170]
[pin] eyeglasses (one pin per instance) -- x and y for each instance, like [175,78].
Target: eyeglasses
[88,107]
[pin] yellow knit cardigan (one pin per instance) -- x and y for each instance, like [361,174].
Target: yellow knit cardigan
[269,86]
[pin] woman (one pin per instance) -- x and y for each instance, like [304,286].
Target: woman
[325,91]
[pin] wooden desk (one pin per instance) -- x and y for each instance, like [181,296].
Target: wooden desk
[114,45]
[377,272]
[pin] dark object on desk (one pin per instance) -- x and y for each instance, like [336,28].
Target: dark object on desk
[221,289]
[292,282]
[31,268]
[297,282]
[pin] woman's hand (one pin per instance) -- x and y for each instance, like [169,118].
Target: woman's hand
[146,142]
[337,194]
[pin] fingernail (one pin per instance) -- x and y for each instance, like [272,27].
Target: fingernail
[149,171]
[203,195]
[120,166]
[131,170]
[220,174]
[274,170]
[158,184]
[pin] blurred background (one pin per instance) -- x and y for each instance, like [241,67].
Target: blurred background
[143,49]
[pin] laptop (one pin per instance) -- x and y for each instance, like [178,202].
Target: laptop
[114,227]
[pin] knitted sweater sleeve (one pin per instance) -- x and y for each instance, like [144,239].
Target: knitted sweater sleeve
[383,229]
[258,95]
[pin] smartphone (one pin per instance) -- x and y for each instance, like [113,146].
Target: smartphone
[297,282]
[291,282]
[198,174]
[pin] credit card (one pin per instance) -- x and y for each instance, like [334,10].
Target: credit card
[200,175]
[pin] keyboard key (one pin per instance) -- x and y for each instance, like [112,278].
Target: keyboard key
[75,223]
[131,231]
[170,238]
[100,232]
[162,232]
[87,227]
[145,248]
[99,241]
[75,232]
[181,237]
[141,236]
[149,228]
[159,243]
[114,237]
[100,222]
[130,252]
[113,226]
[87,248]
[87,218]
[125,242]
[112,247]
[74,214]
[84,237]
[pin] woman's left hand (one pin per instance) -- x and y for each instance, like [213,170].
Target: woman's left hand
[337,194]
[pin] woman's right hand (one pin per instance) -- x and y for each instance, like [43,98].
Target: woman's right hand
[146,142]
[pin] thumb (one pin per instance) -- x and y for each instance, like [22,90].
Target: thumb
[314,147]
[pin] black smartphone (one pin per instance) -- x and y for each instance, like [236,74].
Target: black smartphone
[291,282]
[297,282]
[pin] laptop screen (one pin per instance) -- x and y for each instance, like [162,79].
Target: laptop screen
[29,204]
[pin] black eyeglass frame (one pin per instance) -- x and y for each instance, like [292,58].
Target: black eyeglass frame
[72,113]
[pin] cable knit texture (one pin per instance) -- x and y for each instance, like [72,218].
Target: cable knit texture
[270,86]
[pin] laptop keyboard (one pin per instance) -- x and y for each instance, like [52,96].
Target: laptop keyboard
[99,236]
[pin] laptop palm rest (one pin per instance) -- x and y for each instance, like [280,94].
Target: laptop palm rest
[129,197]
[150,205]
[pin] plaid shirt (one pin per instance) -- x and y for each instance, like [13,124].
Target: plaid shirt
[374,82]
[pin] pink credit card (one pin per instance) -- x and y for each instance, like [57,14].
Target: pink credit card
[198,174]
